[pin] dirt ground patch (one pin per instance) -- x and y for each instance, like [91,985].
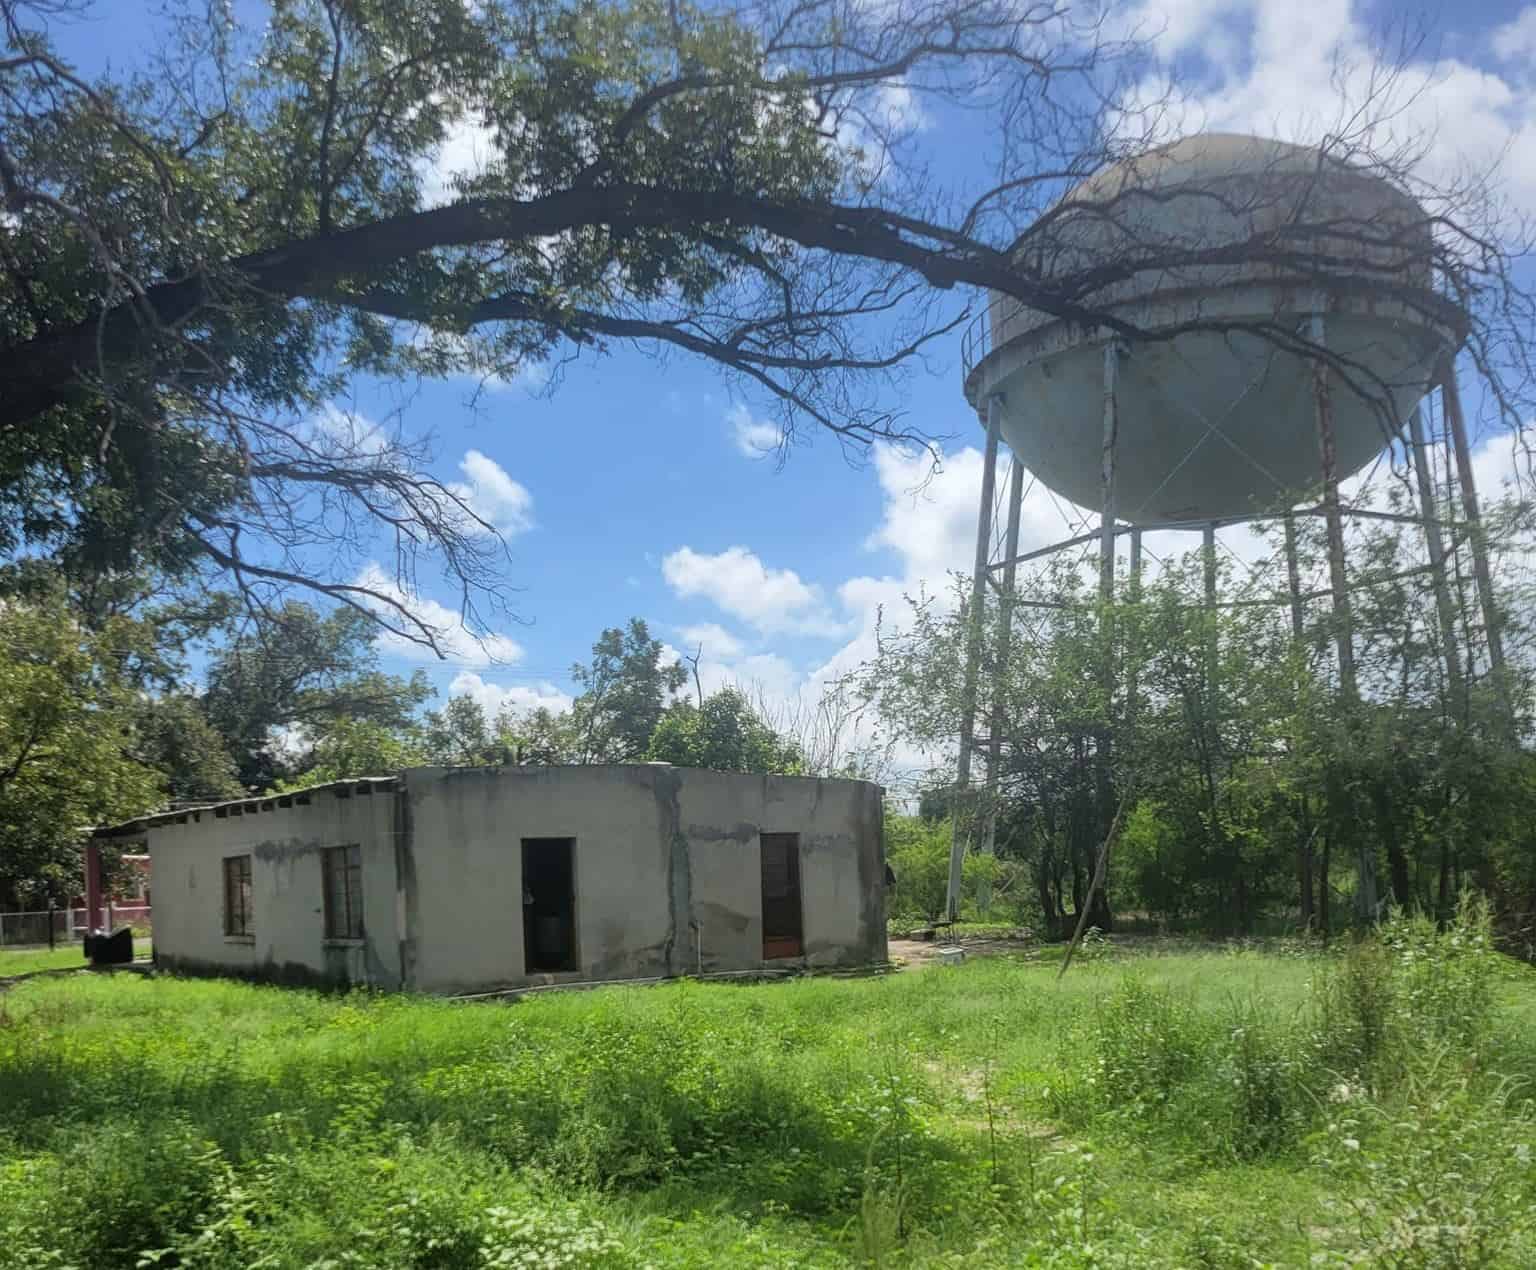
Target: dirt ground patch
[912,953]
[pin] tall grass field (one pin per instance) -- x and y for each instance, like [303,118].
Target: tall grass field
[1368,1105]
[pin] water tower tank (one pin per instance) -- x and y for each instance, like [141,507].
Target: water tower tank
[1219,422]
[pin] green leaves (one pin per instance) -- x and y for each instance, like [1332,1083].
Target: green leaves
[726,735]
[67,722]
[624,690]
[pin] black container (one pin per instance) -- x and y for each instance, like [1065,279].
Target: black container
[115,949]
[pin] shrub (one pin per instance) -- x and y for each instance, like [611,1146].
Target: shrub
[1405,987]
[1439,1178]
[1258,1099]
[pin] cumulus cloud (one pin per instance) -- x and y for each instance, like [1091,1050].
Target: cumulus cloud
[465,152]
[714,639]
[896,108]
[459,645]
[493,495]
[518,698]
[1515,41]
[768,677]
[737,582]
[348,431]
[1299,69]
[754,438]
[533,376]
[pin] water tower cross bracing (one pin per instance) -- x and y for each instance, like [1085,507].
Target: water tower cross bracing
[1270,325]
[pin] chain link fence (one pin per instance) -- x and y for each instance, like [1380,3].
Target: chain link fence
[31,929]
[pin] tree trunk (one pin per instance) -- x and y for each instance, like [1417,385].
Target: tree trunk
[1397,858]
[1443,892]
[1099,912]
[1304,865]
[1325,910]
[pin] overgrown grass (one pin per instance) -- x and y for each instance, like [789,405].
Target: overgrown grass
[67,956]
[1231,1109]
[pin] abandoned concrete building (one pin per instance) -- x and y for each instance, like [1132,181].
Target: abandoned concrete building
[460,880]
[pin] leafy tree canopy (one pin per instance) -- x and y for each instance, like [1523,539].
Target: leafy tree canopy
[308,674]
[197,255]
[724,734]
[624,690]
[67,715]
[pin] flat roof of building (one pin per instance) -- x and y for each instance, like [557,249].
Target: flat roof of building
[250,805]
[368,785]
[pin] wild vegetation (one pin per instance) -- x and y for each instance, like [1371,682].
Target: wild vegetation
[101,718]
[206,248]
[202,255]
[1234,1107]
[1257,792]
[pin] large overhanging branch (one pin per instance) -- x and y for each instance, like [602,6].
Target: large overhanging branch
[775,372]
[51,368]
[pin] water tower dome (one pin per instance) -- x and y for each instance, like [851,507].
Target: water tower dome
[1233,234]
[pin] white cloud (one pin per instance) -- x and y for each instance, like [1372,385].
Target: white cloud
[1516,39]
[532,376]
[714,639]
[759,676]
[754,438]
[896,109]
[459,645]
[348,431]
[493,495]
[929,523]
[1300,69]
[772,600]
[465,152]
[519,699]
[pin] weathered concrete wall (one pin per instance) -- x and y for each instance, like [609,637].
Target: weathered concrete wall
[667,875]
[285,842]
[667,867]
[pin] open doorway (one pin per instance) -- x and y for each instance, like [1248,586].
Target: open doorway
[781,896]
[549,904]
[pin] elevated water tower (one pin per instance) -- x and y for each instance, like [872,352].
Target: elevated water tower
[1265,321]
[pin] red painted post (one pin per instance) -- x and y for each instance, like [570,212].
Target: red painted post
[92,888]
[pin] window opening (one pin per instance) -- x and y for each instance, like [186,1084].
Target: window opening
[237,896]
[343,868]
[549,904]
[782,932]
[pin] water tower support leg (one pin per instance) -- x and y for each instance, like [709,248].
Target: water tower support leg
[1208,553]
[999,671]
[1293,578]
[1343,616]
[1133,593]
[1436,544]
[1298,633]
[973,657]
[1451,393]
[1098,903]
[1109,509]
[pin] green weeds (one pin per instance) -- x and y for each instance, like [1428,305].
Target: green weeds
[1362,1107]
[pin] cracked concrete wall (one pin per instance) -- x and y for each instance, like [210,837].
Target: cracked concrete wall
[287,905]
[667,875]
[667,867]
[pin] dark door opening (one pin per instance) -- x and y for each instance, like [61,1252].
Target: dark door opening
[781,895]
[549,904]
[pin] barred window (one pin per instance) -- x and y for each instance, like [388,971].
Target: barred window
[343,893]
[237,896]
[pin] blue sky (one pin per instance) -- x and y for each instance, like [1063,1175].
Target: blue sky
[632,487]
